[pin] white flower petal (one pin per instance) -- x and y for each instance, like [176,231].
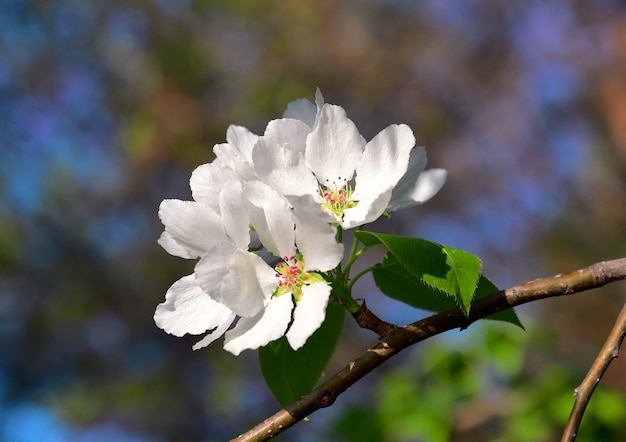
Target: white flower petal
[427,184]
[228,156]
[319,99]
[384,161]
[207,181]
[309,313]
[315,237]
[270,215]
[218,332]
[417,164]
[234,161]
[242,140]
[187,309]
[236,153]
[334,147]
[192,225]
[213,269]
[236,278]
[248,285]
[235,214]
[265,274]
[303,110]
[288,131]
[366,211]
[269,325]
[283,168]
[174,248]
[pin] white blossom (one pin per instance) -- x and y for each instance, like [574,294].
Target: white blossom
[262,222]
[232,280]
[351,179]
[239,279]
[317,150]
[191,230]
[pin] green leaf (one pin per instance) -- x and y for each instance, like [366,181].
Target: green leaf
[431,276]
[486,288]
[291,374]
[368,239]
[395,282]
[450,270]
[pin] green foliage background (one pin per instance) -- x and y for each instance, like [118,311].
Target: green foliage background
[107,107]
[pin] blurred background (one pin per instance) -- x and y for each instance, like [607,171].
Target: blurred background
[107,107]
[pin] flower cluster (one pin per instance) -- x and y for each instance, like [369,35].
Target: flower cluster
[264,218]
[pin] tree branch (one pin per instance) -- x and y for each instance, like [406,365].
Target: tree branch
[583,393]
[366,319]
[400,338]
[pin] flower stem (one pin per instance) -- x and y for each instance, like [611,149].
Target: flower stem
[339,240]
[354,253]
[358,275]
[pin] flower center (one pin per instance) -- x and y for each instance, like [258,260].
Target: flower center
[337,198]
[292,277]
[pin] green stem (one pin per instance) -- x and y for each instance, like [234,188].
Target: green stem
[355,241]
[354,254]
[339,240]
[352,260]
[358,275]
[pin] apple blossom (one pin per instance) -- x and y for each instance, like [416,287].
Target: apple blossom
[318,151]
[232,279]
[262,222]
[191,229]
[294,284]
[351,179]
